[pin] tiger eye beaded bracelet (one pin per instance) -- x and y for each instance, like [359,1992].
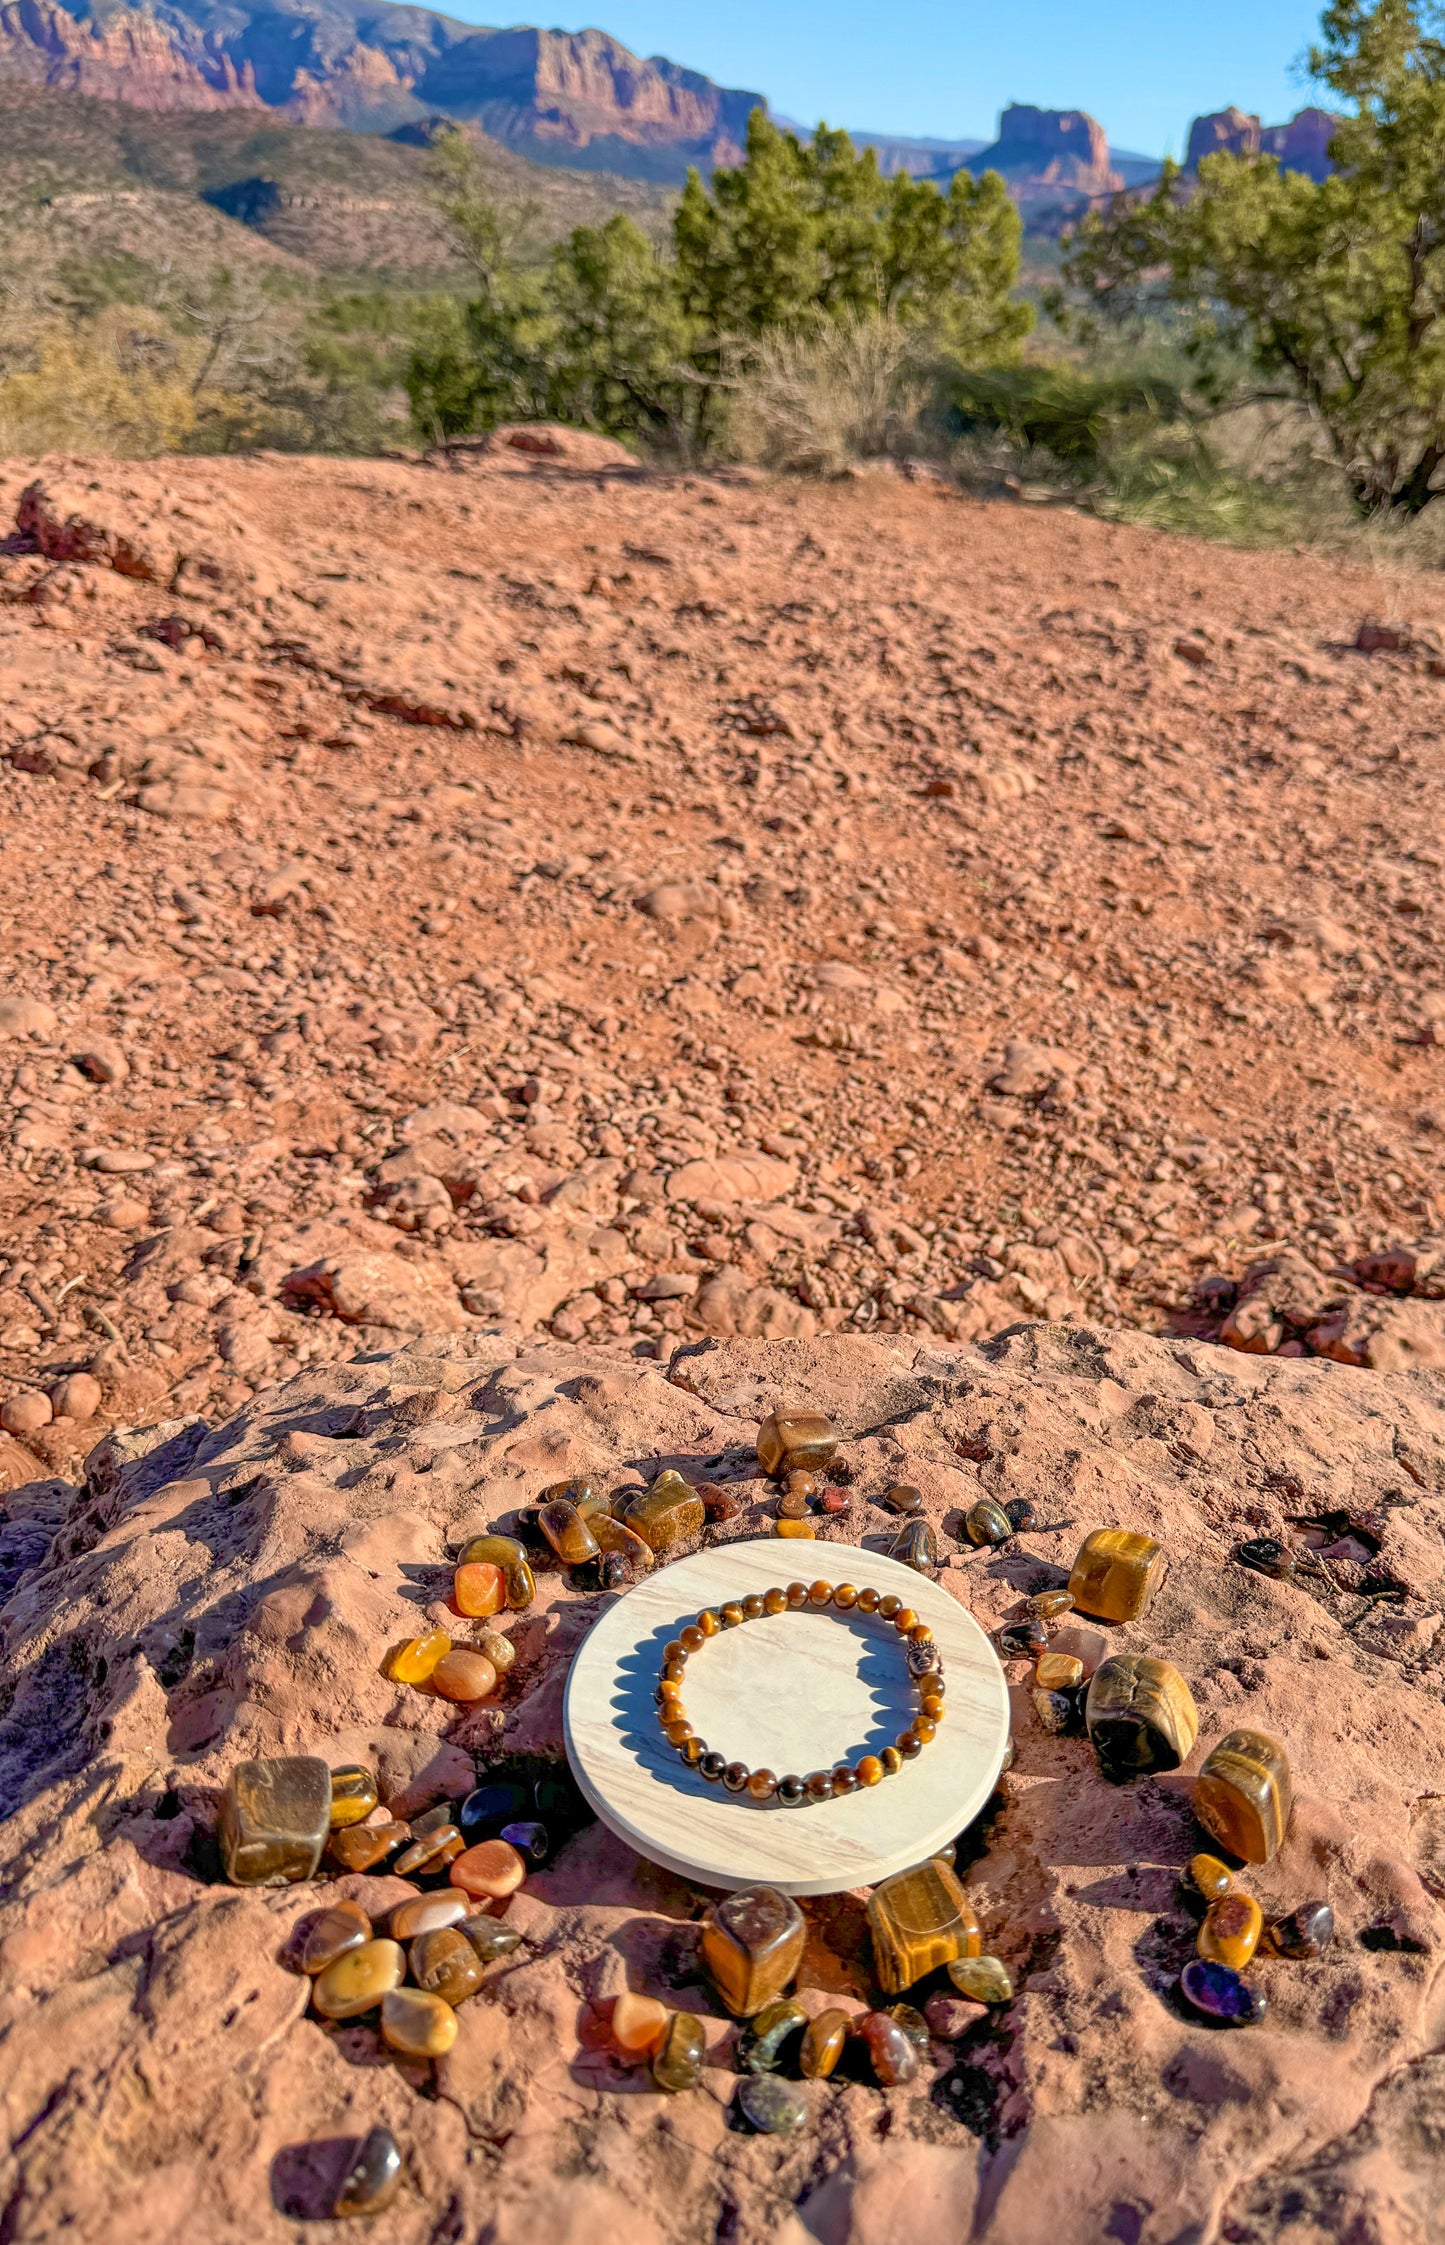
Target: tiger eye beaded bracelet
[924,1666]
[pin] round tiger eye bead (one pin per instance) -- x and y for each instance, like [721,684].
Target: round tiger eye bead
[905,1620]
[674,1671]
[868,1601]
[711,1767]
[820,1784]
[844,1596]
[892,1761]
[735,1777]
[678,1733]
[796,1595]
[775,1601]
[920,1634]
[674,1652]
[708,1622]
[762,1784]
[731,1615]
[692,1639]
[924,1727]
[792,1792]
[820,1594]
[845,1780]
[889,1606]
[753,1608]
[932,1706]
[909,1743]
[692,1750]
[870,1770]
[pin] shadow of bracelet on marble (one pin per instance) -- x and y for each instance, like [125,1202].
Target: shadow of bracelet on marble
[761,1786]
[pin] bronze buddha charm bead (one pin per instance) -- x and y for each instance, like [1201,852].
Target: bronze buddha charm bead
[925,1671]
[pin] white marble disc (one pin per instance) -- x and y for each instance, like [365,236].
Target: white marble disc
[793,1692]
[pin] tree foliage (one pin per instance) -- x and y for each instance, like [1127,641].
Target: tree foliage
[621,334]
[1335,289]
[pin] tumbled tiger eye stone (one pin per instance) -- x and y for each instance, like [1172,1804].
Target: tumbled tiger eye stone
[358,1981]
[1218,1992]
[490,1938]
[417,2024]
[903,1497]
[919,1920]
[800,1531]
[916,1546]
[567,1532]
[581,1492]
[354,1794]
[1057,1671]
[275,1820]
[1231,1930]
[1047,1605]
[1207,1878]
[985,1979]
[668,1513]
[1305,1932]
[479,1590]
[639,2024]
[1140,1715]
[373,2178]
[504,1552]
[913,2023]
[345,1926]
[771,2106]
[769,2034]
[419,1656]
[987,1523]
[792,1441]
[492,1868]
[445,1964]
[359,1847]
[463,1676]
[1116,1574]
[1242,1794]
[890,2051]
[431,1853]
[621,1542]
[678,2064]
[752,1942]
[793,1505]
[824,2040]
[426,1913]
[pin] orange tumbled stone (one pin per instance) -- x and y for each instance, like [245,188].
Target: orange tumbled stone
[463,1676]
[639,2024]
[419,1656]
[479,1590]
[492,1868]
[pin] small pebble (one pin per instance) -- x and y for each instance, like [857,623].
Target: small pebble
[419,1656]
[1231,1929]
[430,1854]
[914,2025]
[1305,1932]
[499,1650]
[492,1869]
[359,1847]
[834,1501]
[1057,1712]
[917,1546]
[417,2024]
[1204,1880]
[354,1794]
[26,1413]
[373,2179]
[950,2017]
[531,1841]
[357,1981]
[771,2106]
[1266,1556]
[987,1523]
[1049,1604]
[795,1528]
[678,2064]
[903,1497]
[426,1913]
[479,1590]
[719,1502]
[639,2024]
[445,1964]
[1024,1639]
[464,1676]
[1219,1993]
[793,1506]
[343,1927]
[982,1979]
[1056,1672]
[891,2052]
[76,1397]
[1020,1515]
[490,1937]
[824,2040]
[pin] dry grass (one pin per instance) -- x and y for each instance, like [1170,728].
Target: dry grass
[816,400]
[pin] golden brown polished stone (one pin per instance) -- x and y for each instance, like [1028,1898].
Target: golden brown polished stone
[1116,1574]
[463,1675]
[419,1656]
[499,1650]
[615,1536]
[417,2024]
[1047,1605]
[1057,1671]
[668,1513]
[792,1441]
[358,1981]
[567,1532]
[752,1943]
[1231,1930]
[504,1552]
[426,1913]
[919,1920]
[359,1847]
[678,2064]
[479,1589]
[800,1530]
[275,1820]
[431,1852]
[1140,1715]
[984,1979]
[373,2178]
[823,2042]
[490,1937]
[344,1926]
[1243,1794]
[354,1794]
[639,2024]
[445,1964]
[492,1869]
[1208,1877]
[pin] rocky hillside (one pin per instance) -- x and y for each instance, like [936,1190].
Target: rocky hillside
[575,99]
[1301,145]
[207,1594]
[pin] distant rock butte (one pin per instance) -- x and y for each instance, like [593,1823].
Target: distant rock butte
[1302,145]
[1048,150]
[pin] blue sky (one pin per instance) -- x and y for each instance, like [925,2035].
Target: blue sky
[946,67]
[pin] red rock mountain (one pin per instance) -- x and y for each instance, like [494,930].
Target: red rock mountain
[131,56]
[1301,145]
[1051,149]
